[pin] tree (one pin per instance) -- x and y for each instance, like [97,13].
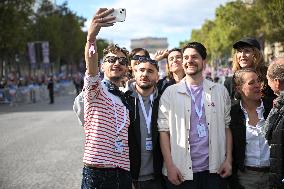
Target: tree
[62,28]
[233,21]
[101,45]
[272,14]
[15,23]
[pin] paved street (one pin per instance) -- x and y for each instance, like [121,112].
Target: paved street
[41,146]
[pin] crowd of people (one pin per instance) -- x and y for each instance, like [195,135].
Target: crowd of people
[15,89]
[183,131]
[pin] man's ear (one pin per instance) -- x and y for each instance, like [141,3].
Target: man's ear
[158,77]
[127,68]
[279,85]
[204,64]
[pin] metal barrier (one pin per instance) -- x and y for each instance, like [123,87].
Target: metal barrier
[32,93]
[4,96]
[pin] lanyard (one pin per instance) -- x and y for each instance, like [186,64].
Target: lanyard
[118,129]
[147,117]
[198,111]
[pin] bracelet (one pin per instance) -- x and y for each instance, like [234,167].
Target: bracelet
[91,42]
[92,50]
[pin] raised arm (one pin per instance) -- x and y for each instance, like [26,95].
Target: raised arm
[91,56]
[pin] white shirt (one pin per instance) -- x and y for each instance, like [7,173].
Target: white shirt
[257,149]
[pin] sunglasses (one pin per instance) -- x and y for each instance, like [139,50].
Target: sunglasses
[121,60]
[144,59]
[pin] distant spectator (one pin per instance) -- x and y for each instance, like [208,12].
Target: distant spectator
[78,83]
[3,84]
[50,87]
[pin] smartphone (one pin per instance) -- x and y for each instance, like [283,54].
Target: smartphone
[119,15]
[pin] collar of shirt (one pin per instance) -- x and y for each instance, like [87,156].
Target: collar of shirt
[135,94]
[259,110]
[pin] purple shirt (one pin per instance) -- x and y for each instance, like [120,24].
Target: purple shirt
[199,146]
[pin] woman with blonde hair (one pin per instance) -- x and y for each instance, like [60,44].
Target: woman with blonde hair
[248,55]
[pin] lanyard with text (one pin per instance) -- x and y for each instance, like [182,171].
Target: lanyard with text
[118,129]
[197,110]
[147,117]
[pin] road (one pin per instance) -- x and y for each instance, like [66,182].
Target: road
[41,146]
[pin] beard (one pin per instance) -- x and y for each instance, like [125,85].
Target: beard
[146,85]
[195,72]
[115,78]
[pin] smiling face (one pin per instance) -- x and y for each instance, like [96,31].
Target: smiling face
[245,57]
[114,71]
[175,62]
[193,63]
[146,75]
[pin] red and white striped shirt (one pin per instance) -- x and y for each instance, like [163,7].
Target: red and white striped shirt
[100,109]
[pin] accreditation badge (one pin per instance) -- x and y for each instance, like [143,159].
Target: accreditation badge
[201,130]
[118,145]
[149,145]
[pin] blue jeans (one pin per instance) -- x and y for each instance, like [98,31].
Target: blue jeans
[106,178]
[201,180]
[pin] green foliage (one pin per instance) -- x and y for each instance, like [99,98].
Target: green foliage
[23,21]
[101,45]
[62,28]
[273,19]
[236,19]
[15,21]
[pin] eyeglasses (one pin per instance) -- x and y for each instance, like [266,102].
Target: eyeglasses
[144,59]
[121,60]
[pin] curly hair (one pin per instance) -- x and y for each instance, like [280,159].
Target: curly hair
[276,69]
[258,60]
[114,48]
[136,50]
[258,63]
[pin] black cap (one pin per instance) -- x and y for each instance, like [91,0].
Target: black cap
[247,41]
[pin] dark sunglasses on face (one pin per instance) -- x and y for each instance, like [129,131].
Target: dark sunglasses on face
[121,60]
[144,59]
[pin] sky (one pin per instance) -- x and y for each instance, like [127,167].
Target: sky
[173,19]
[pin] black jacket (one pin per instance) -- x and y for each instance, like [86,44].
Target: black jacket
[134,138]
[164,83]
[238,128]
[275,137]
